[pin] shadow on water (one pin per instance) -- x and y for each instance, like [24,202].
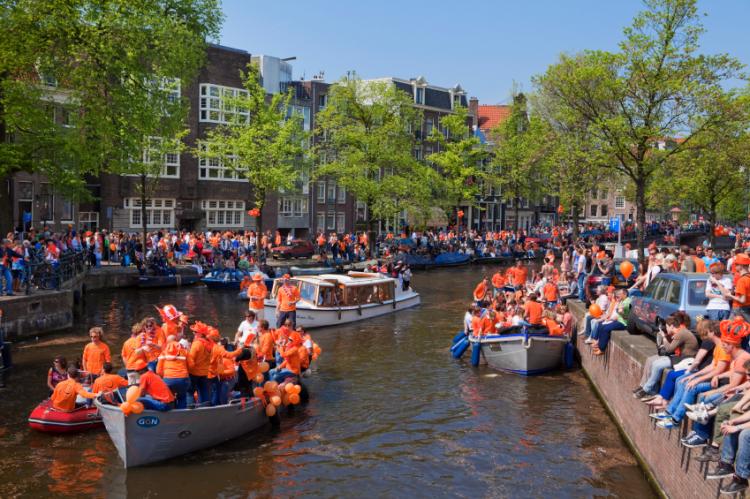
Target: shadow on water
[391,415]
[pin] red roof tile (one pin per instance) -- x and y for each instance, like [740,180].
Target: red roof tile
[492,115]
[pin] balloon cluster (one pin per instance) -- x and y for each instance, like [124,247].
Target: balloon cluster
[131,404]
[316,351]
[273,394]
[255,212]
[262,368]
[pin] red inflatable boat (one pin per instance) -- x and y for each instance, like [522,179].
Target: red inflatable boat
[46,418]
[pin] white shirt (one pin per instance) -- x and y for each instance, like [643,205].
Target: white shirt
[719,303]
[603,302]
[246,329]
[467,322]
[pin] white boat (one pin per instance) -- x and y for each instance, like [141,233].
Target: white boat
[153,436]
[331,299]
[526,352]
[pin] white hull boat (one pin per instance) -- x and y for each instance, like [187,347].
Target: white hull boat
[525,353]
[154,436]
[333,299]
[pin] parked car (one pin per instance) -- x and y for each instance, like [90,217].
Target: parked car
[618,280]
[667,293]
[298,248]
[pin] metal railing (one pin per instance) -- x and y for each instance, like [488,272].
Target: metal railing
[40,274]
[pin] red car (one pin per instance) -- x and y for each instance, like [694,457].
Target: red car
[299,248]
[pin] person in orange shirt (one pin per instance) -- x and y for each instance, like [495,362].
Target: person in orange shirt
[220,379]
[533,310]
[95,354]
[741,297]
[481,291]
[265,343]
[148,344]
[551,294]
[155,394]
[64,396]
[518,275]
[128,349]
[291,366]
[286,302]
[498,282]
[548,321]
[172,366]
[108,382]
[199,361]
[245,283]
[173,324]
[257,292]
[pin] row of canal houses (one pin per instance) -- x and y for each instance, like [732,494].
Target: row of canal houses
[198,194]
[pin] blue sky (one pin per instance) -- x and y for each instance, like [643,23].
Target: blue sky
[484,45]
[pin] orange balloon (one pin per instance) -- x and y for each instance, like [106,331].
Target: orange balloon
[289,388]
[270,410]
[258,392]
[297,389]
[595,311]
[136,407]
[126,409]
[259,378]
[626,269]
[294,398]
[264,367]
[270,386]
[276,400]
[133,393]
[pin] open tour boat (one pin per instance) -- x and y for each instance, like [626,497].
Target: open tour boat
[332,299]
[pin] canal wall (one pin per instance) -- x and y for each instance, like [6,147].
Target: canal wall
[671,467]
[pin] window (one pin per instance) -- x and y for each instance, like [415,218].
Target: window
[172,87]
[418,153]
[331,192]
[170,163]
[605,210]
[672,294]
[340,222]
[67,211]
[302,111]
[456,100]
[428,126]
[593,210]
[361,211]
[88,220]
[697,293]
[292,207]
[419,95]
[321,221]
[604,194]
[593,194]
[322,101]
[48,79]
[331,218]
[25,191]
[218,168]
[341,195]
[159,212]
[221,213]
[620,202]
[46,202]
[214,110]
[321,192]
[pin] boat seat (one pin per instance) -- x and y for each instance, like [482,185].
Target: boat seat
[519,330]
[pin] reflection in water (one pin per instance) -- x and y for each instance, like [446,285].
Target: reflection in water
[391,414]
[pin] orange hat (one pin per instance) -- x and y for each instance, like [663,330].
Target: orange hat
[257,277]
[199,328]
[733,331]
[139,364]
[716,266]
[295,338]
[610,289]
[213,333]
[742,259]
[169,312]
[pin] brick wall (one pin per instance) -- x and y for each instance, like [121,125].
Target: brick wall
[615,375]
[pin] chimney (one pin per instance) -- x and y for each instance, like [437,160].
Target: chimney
[474,110]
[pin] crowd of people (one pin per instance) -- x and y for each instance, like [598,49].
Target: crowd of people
[178,365]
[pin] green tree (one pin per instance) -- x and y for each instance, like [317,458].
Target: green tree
[459,160]
[521,154]
[366,143]
[98,61]
[265,142]
[656,87]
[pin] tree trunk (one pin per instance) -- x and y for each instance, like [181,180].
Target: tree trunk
[144,222]
[576,215]
[640,203]
[712,225]
[259,237]
[517,209]
[6,203]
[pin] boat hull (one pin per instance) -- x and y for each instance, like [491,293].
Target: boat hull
[167,281]
[525,354]
[154,436]
[310,318]
[49,420]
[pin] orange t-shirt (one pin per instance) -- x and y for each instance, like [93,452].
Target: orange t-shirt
[550,292]
[244,284]
[127,352]
[554,328]
[64,396]
[518,275]
[498,280]
[173,361]
[257,293]
[155,387]
[700,265]
[108,383]
[292,360]
[287,297]
[720,355]
[480,291]
[199,358]
[742,288]
[265,347]
[94,357]
[533,312]
[218,355]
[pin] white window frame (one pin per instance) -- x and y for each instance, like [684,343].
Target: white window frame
[224,213]
[331,192]
[211,108]
[341,195]
[157,211]
[88,217]
[167,162]
[331,220]
[340,221]
[72,211]
[219,165]
[619,202]
[293,206]
[321,195]
[320,221]
[361,207]
[417,90]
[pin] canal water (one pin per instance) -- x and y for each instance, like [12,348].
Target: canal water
[391,415]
